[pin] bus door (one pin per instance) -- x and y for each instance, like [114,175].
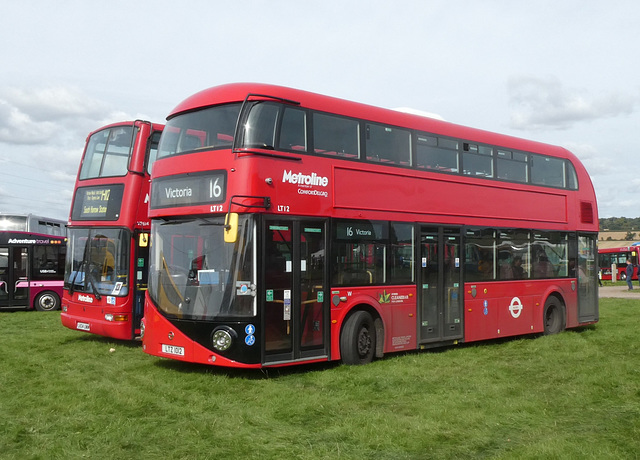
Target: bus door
[440,282]
[14,272]
[295,298]
[587,278]
[141,272]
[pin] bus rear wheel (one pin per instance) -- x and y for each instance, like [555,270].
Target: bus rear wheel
[554,321]
[358,339]
[47,301]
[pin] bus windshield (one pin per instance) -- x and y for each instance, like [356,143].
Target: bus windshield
[194,274]
[209,128]
[108,152]
[97,261]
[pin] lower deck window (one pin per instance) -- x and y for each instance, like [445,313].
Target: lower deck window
[371,253]
[513,254]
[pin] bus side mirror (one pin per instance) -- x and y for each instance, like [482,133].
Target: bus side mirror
[143,240]
[231,227]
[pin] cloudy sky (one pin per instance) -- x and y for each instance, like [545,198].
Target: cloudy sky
[563,72]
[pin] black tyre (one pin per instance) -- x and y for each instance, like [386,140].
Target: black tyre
[554,320]
[358,339]
[47,301]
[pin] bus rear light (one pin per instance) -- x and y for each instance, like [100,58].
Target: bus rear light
[112,317]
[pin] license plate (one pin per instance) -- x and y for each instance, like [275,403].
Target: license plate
[83,326]
[172,350]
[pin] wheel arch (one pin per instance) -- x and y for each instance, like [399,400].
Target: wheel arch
[554,299]
[368,305]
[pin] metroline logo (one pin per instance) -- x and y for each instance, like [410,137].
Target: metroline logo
[304,179]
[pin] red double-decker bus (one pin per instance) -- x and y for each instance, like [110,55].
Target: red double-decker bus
[290,227]
[608,257]
[107,257]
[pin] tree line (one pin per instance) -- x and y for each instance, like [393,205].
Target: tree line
[619,224]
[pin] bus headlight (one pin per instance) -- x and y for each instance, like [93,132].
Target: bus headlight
[222,338]
[142,329]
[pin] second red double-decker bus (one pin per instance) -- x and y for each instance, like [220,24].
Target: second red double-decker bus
[608,257]
[107,256]
[290,227]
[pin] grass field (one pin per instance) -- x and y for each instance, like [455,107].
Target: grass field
[66,394]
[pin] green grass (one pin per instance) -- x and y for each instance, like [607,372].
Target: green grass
[66,394]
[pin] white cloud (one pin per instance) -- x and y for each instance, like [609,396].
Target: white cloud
[17,127]
[545,103]
[53,103]
[57,117]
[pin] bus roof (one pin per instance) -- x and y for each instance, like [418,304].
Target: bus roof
[154,126]
[237,92]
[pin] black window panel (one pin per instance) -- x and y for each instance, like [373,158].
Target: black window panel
[547,171]
[261,124]
[572,177]
[293,131]
[437,154]
[388,144]
[334,135]
[513,171]
[480,248]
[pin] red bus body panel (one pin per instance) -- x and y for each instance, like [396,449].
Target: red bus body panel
[493,309]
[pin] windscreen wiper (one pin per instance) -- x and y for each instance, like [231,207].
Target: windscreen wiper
[91,279]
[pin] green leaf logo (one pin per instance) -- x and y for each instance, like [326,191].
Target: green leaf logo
[384,297]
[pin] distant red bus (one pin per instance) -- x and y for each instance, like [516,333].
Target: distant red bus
[290,227]
[618,256]
[32,252]
[107,257]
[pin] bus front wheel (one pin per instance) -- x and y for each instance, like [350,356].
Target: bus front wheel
[554,321]
[358,339]
[47,301]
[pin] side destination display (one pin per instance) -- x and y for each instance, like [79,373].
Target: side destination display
[101,202]
[189,190]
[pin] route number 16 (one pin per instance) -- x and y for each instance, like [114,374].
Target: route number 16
[215,191]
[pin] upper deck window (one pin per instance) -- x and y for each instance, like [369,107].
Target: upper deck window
[437,153]
[152,153]
[477,160]
[108,153]
[572,177]
[268,124]
[334,135]
[293,132]
[210,128]
[512,166]
[260,126]
[388,144]
[548,171]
